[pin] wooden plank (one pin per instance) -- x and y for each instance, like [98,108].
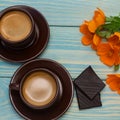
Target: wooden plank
[67,12]
[65,47]
[109,111]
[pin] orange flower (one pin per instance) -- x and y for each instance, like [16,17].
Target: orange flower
[98,19]
[103,34]
[88,37]
[109,54]
[115,39]
[113,81]
[88,28]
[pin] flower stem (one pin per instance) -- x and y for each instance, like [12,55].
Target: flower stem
[116,67]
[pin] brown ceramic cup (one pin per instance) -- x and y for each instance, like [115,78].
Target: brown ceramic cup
[39,88]
[17,28]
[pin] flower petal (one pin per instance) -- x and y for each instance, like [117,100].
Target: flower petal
[100,12]
[113,39]
[99,17]
[113,77]
[118,76]
[103,49]
[107,60]
[86,40]
[117,34]
[113,81]
[99,20]
[84,29]
[114,86]
[96,40]
[92,26]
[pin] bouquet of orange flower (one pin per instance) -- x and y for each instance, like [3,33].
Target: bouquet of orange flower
[103,34]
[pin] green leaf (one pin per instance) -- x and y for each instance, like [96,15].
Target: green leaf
[111,25]
[103,34]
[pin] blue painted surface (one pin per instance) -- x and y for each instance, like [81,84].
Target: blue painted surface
[64,18]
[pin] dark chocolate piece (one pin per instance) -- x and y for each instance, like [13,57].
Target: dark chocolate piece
[89,82]
[84,102]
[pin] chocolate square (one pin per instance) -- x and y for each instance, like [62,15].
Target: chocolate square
[84,102]
[89,83]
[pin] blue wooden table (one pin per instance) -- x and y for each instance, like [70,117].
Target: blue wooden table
[64,18]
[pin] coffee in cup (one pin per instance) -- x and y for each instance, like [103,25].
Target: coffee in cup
[17,29]
[15,26]
[39,88]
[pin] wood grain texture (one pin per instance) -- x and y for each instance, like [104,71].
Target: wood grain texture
[67,12]
[110,109]
[66,48]
[64,18]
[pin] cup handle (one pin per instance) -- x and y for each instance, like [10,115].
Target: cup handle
[14,86]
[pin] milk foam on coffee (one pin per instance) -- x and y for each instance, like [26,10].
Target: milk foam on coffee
[39,88]
[15,26]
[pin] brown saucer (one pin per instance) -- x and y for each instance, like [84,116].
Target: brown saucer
[53,112]
[36,48]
